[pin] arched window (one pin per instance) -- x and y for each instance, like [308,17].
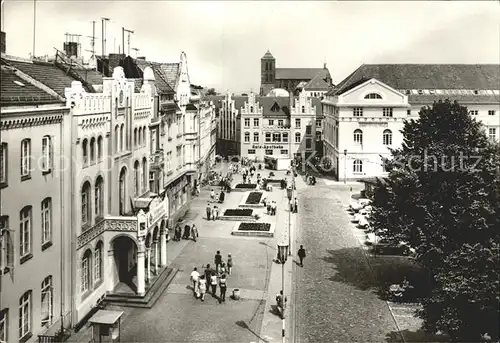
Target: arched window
[117,138]
[137,178]
[357,166]
[284,137]
[46,220]
[247,137]
[276,137]
[46,153]
[267,78]
[358,136]
[99,147]
[25,231]
[144,176]
[25,157]
[85,275]
[46,312]
[92,149]
[85,205]
[139,137]
[99,197]
[135,137]
[251,109]
[387,137]
[122,137]
[303,109]
[256,137]
[122,190]
[97,266]
[297,137]
[144,136]
[85,151]
[373,96]
[25,315]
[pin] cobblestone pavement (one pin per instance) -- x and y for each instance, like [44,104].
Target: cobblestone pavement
[334,299]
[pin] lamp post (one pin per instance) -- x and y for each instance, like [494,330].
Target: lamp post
[345,165]
[282,254]
[289,194]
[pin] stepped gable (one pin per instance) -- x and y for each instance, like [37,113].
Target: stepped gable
[16,91]
[44,72]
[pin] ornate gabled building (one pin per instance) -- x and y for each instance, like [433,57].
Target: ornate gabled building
[290,78]
[366,111]
[228,130]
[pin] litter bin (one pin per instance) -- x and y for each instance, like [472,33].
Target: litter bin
[236,294]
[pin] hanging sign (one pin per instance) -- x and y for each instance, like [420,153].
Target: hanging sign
[157,211]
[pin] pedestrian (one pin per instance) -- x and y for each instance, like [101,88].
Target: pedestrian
[222,269]
[229,263]
[209,211]
[212,194]
[216,213]
[195,276]
[207,272]
[223,288]
[273,208]
[187,232]
[295,205]
[291,205]
[202,287]
[268,207]
[302,254]
[178,232]
[194,232]
[217,261]
[213,212]
[213,283]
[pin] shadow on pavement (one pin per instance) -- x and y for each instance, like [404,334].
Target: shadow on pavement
[414,336]
[244,325]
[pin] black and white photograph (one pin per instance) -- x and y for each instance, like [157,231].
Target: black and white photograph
[249,171]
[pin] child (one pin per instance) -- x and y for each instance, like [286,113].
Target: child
[229,263]
[202,287]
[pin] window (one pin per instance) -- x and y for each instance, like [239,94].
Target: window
[46,154]
[98,194]
[303,109]
[284,137]
[85,151]
[387,112]
[247,122]
[25,231]
[256,137]
[139,137]
[357,112]
[357,166]
[373,96]
[24,315]
[408,112]
[297,137]
[247,137]
[46,220]
[473,112]
[137,178]
[284,152]
[271,121]
[144,174]
[268,137]
[4,324]
[251,151]
[6,237]
[122,137]
[117,138]
[85,205]
[92,149]
[308,143]
[318,122]
[47,296]
[358,136]
[25,157]
[387,137]
[85,272]
[135,137]
[255,121]
[251,109]
[492,133]
[308,129]
[3,163]
[297,123]
[269,152]
[99,147]
[97,268]
[276,137]
[491,112]
[420,92]
[280,122]
[318,135]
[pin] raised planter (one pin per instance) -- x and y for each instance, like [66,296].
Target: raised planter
[253,229]
[239,214]
[244,187]
[278,181]
[252,199]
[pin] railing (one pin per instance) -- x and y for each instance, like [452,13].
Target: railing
[58,338]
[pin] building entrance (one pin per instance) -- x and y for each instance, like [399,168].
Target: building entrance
[125,256]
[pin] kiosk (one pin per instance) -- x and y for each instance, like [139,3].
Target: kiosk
[106,326]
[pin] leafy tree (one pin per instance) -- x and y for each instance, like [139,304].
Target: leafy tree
[211,91]
[442,197]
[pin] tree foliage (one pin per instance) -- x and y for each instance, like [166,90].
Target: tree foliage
[211,91]
[442,197]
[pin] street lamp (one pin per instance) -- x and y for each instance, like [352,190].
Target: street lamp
[282,256]
[289,194]
[345,165]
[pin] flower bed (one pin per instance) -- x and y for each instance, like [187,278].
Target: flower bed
[272,180]
[254,198]
[246,186]
[254,227]
[238,212]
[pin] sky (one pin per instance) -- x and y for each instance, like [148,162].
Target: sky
[225,40]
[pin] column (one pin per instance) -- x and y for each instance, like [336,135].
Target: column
[141,282]
[163,247]
[111,262]
[156,257]
[148,264]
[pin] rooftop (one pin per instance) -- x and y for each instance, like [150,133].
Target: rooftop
[317,83]
[301,73]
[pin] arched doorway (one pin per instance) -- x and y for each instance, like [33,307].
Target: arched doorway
[125,258]
[122,190]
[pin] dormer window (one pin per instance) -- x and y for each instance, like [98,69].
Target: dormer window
[275,107]
[420,92]
[373,96]
[408,92]
[476,92]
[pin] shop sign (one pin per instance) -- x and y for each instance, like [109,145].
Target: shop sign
[267,147]
[157,211]
[142,224]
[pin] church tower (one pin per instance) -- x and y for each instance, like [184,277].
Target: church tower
[267,73]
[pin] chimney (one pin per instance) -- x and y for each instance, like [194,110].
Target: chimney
[2,42]
[115,61]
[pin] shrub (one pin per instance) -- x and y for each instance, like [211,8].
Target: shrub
[254,227]
[238,212]
[254,198]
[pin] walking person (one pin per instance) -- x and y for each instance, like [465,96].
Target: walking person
[216,213]
[213,283]
[202,287]
[209,211]
[213,212]
[177,233]
[195,277]
[194,232]
[217,261]
[229,263]
[223,288]
[187,232]
[302,254]
[295,205]
[222,269]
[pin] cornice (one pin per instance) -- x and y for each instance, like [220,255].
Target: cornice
[17,123]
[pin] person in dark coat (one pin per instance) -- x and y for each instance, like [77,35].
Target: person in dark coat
[302,254]
[187,232]
[209,211]
[221,197]
[177,233]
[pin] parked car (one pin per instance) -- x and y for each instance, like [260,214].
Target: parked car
[364,202]
[355,206]
[363,223]
[386,247]
[357,216]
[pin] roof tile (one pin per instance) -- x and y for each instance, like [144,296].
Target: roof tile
[317,83]
[301,73]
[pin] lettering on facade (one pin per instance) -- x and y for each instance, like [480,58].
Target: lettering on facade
[373,123]
[157,211]
[267,147]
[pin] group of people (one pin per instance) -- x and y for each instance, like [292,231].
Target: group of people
[294,205]
[211,278]
[212,212]
[190,232]
[271,206]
